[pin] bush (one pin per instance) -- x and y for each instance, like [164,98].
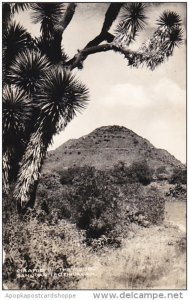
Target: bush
[42,254]
[66,177]
[105,209]
[93,196]
[161,169]
[137,172]
[49,181]
[178,191]
[119,173]
[162,174]
[144,202]
[140,172]
[102,208]
[178,176]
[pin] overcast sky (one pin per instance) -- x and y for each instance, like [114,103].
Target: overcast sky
[151,103]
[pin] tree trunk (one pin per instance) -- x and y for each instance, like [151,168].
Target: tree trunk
[28,177]
[31,200]
[6,170]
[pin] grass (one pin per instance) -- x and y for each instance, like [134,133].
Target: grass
[150,259]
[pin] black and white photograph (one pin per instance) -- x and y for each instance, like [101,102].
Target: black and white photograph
[94,168]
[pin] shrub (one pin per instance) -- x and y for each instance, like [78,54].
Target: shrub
[140,172]
[100,213]
[178,191]
[161,169]
[66,177]
[136,172]
[119,173]
[42,254]
[178,176]
[105,209]
[162,174]
[92,197]
[50,181]
[144,201]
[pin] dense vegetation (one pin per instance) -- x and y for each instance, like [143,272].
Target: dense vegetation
[79,212]
[75,214]
[178,176]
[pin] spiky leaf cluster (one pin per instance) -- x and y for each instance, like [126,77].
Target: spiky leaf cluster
[16,113]
[28,69]
[169,19]
[47,47]
[133,20]
[9,9]
[15,39]
[60,96]
[161,45]
[19,6]
[49,15]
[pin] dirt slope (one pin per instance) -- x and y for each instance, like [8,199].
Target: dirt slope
[107,145]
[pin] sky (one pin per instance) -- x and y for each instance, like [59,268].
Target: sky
[150,103]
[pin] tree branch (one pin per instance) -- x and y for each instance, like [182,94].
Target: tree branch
[78,59]
[68,16]
[100,38]
[92,47]
[110,16]
[60,28]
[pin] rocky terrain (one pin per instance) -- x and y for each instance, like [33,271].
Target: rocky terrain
[107,145]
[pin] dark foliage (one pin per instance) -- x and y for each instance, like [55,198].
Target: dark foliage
[48,15]
[178,176]
[60,95]
[41,252]
[15,39]
[133,18]
[16,7]
[138,171]
[67,176]
[169,19]
[17,112]
[28,70]
[47,46]
[178,191]
[89,198]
